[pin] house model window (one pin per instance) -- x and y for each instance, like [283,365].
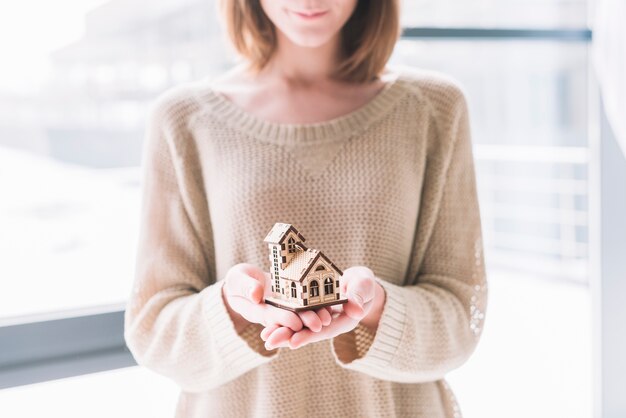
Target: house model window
[294,268]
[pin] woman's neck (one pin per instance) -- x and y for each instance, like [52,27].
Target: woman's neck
[301,67]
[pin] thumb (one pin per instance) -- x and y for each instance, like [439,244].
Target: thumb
[354,273]
[360,292]
[248,282]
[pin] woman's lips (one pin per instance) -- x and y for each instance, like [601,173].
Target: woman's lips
[310,15]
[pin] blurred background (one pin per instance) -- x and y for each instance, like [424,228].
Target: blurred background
[76,81]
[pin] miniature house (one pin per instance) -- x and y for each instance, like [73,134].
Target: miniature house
[301,278]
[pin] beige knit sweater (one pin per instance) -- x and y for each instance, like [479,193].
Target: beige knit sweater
[390,186]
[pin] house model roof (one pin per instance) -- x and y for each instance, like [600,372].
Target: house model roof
[304,259]
[279,232]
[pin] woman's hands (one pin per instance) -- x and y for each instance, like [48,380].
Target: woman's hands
[366,299]
[244,292]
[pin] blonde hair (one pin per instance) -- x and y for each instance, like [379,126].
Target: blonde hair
[368,37]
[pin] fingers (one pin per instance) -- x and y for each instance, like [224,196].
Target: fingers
[254,272]
[314,320]
[360,292]
[324,318]
[247,281]
[277,316]
[336,310]
[264,314]
[324,315]
[278,337]
[267,331]
[305,336]
[311,320]
[354,272]
[341,324]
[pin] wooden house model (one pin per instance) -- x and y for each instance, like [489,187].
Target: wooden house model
[301,278]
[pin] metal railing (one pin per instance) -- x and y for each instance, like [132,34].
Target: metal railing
[546,237]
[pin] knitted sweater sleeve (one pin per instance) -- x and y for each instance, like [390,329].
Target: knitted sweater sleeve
[176,322]
[432,324]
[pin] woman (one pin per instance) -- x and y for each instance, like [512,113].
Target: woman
[373,164]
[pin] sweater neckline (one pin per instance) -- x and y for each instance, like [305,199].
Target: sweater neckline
[334,129]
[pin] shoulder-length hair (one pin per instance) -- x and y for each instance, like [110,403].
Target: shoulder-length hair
[368,37]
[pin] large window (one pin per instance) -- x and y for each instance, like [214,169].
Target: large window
[73,98]
[529,100]
[71,127]
[528,103]
[532,14]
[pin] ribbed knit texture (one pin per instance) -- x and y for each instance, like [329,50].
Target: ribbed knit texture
[390,186]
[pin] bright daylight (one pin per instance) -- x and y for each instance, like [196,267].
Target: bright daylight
[183,236]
